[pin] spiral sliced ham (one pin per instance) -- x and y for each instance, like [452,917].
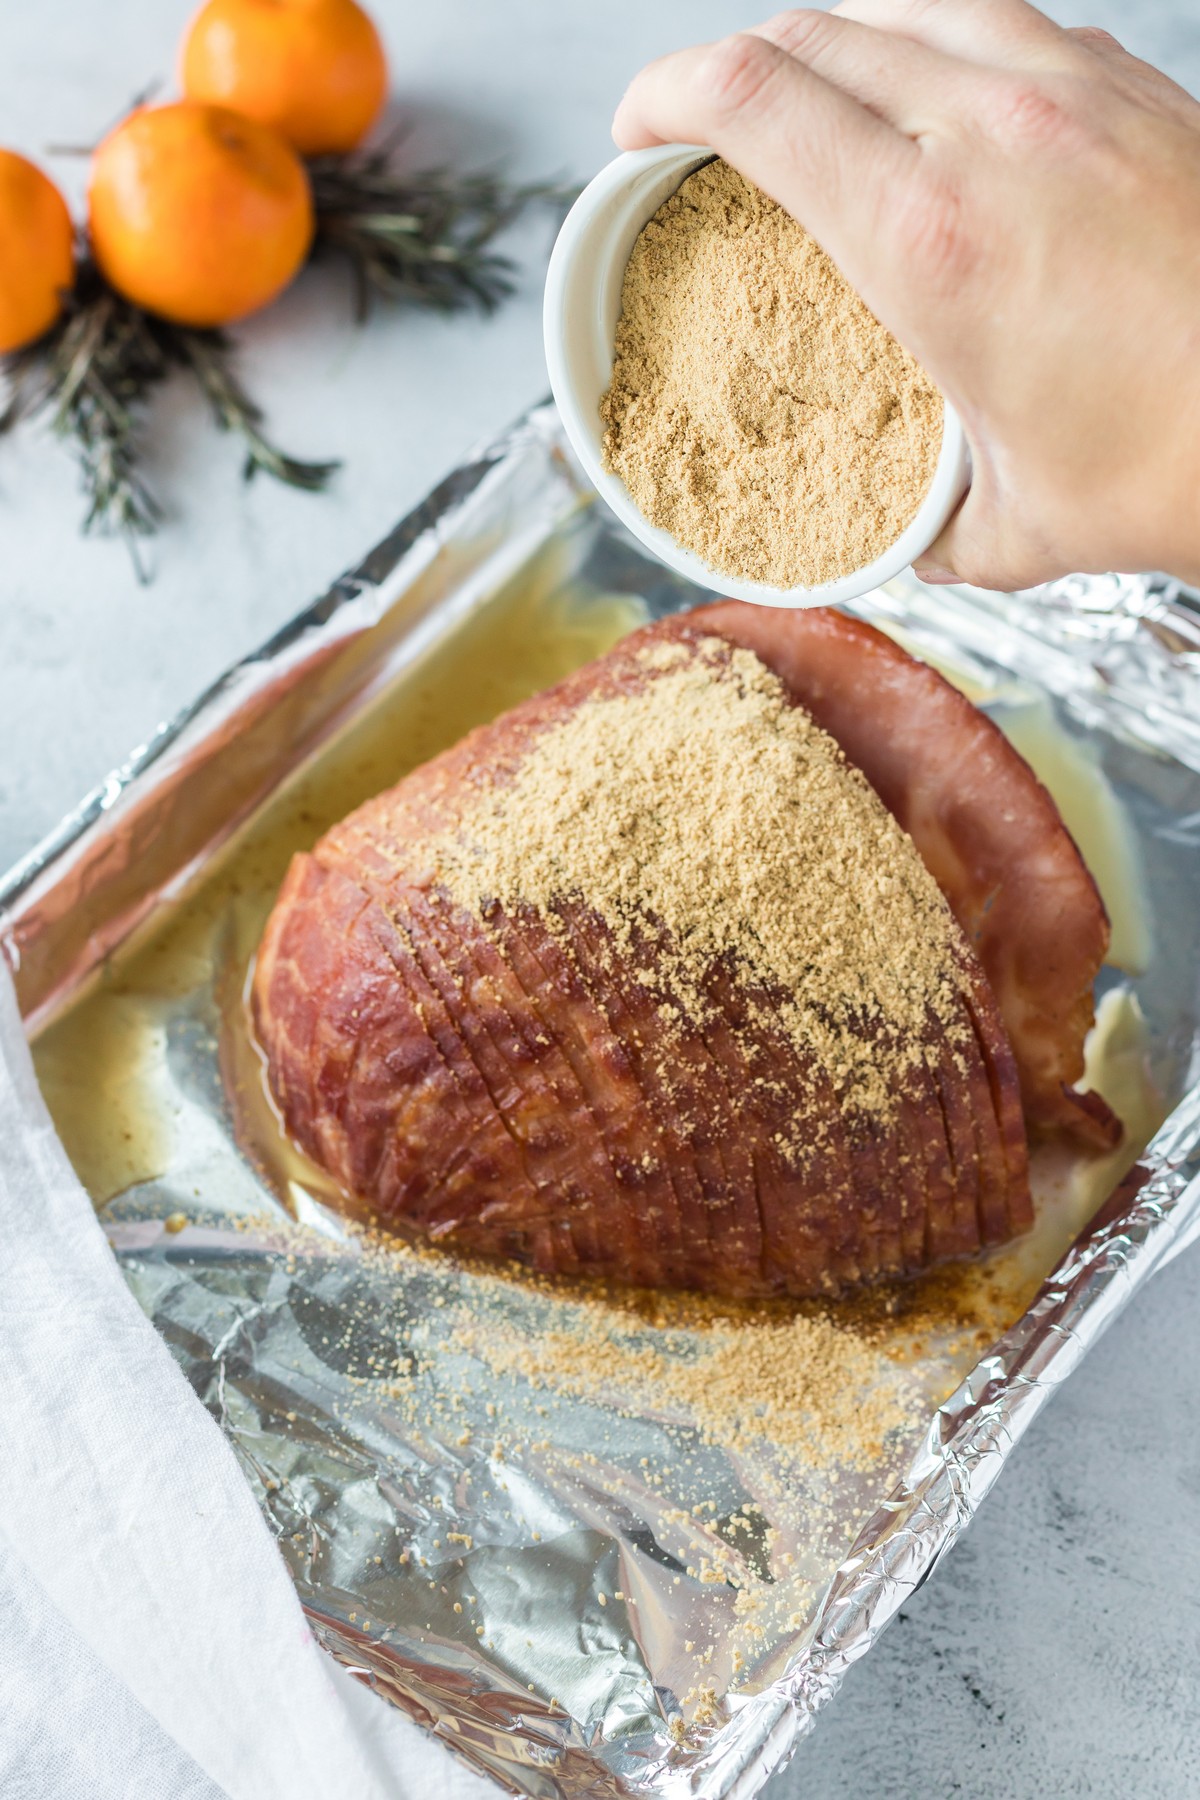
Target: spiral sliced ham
[515,1080]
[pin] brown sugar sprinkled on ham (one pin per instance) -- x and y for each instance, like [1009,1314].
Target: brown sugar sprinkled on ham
[706,820]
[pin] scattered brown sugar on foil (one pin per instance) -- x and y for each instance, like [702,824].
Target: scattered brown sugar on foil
[810,1406]
[803,1382]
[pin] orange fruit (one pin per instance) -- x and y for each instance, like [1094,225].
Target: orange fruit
[37,251]
[197,213]
[314,69]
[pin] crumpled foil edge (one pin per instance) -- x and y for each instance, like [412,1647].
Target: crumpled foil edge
[1152,1218]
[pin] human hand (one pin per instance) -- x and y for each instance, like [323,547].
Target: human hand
[1020,206]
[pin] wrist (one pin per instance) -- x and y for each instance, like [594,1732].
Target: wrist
[1152,518]
[1181,532]
[1172,496]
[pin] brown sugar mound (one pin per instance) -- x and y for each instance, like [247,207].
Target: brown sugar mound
[758,411]
[703,801]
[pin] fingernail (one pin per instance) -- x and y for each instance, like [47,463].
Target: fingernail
[933,574]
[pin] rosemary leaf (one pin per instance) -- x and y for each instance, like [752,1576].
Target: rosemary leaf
[421,239]
[208,355]
[94,374]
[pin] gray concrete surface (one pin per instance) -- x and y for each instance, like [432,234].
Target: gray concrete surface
[1056,1652]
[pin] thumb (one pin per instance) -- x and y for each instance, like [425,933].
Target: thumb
[989,541]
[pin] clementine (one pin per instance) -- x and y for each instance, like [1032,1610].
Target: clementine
[198,213]
[37,251]
[314,69]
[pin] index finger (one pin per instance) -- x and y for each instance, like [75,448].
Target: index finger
[1004,33]
[825,158]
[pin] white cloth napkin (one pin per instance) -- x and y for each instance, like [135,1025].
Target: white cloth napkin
[151,1642]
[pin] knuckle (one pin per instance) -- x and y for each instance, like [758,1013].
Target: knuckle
[932,231]
[801,31]
[736,73]
[1031,112]
[1096,36]
[905,14]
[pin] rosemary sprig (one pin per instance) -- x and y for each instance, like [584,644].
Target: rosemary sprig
[94,374]
[423,239]
[207,354]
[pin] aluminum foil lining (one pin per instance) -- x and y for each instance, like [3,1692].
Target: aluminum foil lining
[582,1593]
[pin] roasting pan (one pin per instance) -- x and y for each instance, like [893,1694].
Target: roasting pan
[582,1593]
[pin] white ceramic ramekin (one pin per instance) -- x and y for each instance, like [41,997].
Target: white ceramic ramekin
[583,304]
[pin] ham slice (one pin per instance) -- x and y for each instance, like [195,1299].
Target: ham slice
[513,1080]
